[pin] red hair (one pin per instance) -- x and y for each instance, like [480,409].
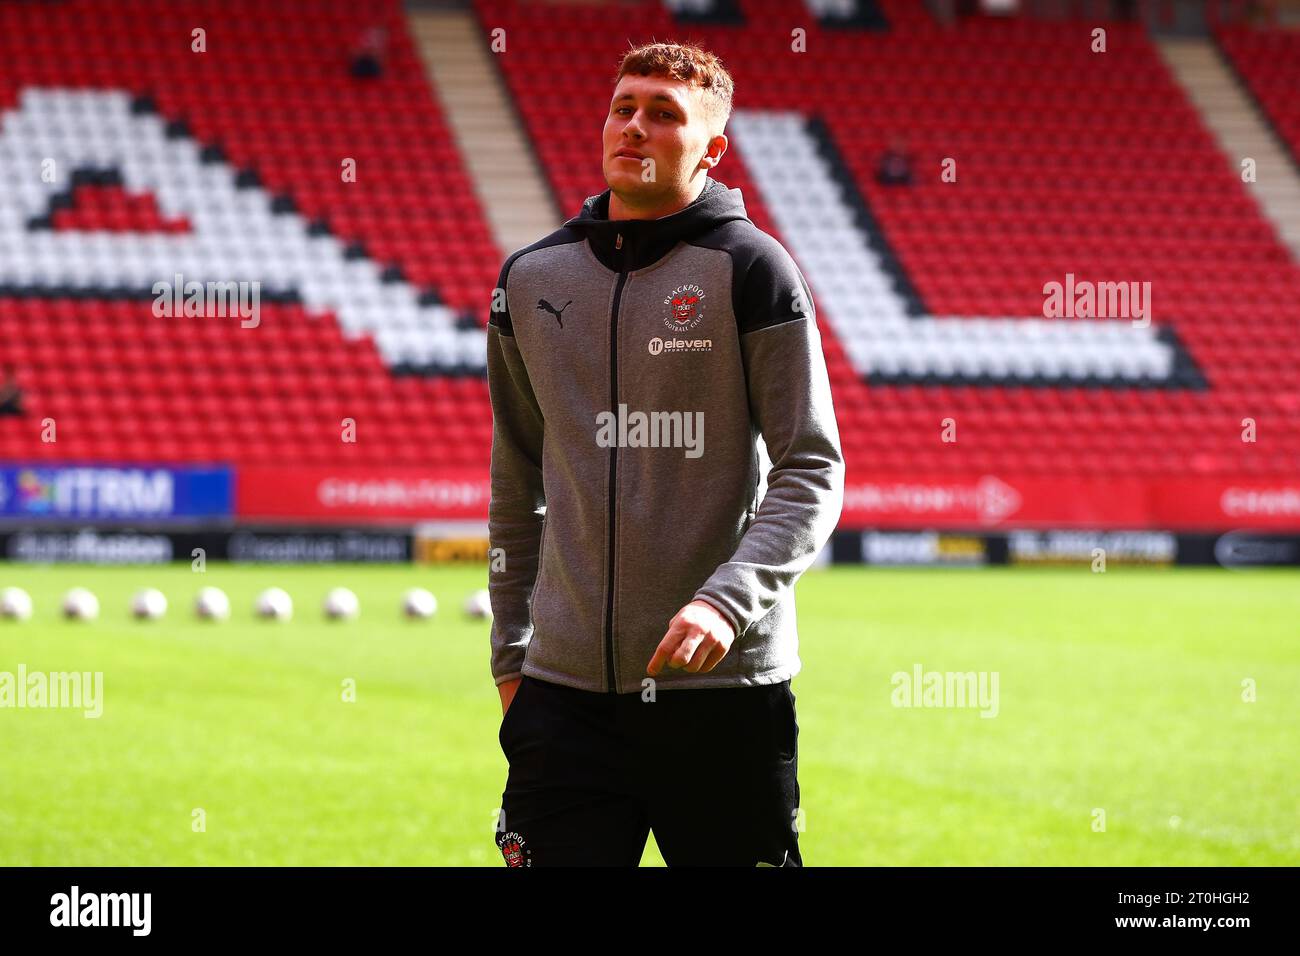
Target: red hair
[690,64]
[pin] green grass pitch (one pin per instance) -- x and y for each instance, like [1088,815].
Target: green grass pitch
[1119,692]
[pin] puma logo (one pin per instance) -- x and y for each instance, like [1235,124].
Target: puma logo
[543,304]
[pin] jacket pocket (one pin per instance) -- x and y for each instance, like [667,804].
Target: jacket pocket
[541,562]
[510,716]
[541,547]
[785,729]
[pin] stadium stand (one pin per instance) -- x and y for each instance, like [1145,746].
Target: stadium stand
[228,161]
[1067,163]
[1246,140]
[1268,61]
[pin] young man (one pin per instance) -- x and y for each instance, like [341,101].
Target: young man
[644,629]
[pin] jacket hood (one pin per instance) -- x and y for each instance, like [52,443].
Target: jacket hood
[636,243]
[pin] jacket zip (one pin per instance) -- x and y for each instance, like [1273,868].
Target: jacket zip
[613,466]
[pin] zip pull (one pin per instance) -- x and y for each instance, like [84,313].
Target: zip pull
[618,243]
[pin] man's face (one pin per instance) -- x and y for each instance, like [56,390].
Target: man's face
[662,127]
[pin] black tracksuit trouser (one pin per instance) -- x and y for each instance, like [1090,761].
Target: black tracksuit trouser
[711,771]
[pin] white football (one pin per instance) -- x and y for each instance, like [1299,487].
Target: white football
[15,604]
[341,604]
[211,604]
[149,604]
[418,604]
[479,605]
[80,605]
[274,604]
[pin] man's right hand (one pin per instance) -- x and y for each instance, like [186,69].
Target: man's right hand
[508,690]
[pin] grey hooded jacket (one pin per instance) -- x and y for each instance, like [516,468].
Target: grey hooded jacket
[632,365]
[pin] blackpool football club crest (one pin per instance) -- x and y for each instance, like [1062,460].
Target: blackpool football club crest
[512,848]
[685,306]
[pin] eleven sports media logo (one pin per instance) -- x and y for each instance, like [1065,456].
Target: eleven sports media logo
[685,306]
